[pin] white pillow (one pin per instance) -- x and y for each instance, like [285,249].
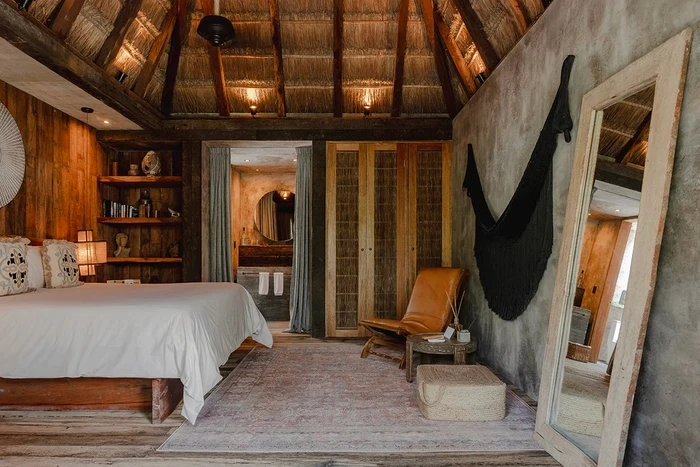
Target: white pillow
[60,258]
[13,266]
[36,267]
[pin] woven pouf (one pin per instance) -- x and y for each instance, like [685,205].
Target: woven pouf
[460,392]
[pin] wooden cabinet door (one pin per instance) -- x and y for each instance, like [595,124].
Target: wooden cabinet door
[429,208]
[346,224]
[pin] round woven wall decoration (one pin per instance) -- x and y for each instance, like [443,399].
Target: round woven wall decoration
[11,157]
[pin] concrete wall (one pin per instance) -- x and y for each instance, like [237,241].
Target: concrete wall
[503,121]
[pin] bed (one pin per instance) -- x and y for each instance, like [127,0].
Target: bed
[117,336]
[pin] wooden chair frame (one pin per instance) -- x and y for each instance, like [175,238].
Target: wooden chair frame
[665,67]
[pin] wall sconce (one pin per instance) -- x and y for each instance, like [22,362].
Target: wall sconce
[90,253]
[284,194]
[253,110]
[366,112]
[120,76]
[480,78]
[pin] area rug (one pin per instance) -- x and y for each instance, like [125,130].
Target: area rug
[325,398]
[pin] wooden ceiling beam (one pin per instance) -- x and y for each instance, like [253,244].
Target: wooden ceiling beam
[338,58]
[476,31]
[264,128]
[465,74]
[111,46]
[177,41]
[399,65]
[521,18]
[149,68]
[32,37]
[439,57]
[216,65]
[65,17]
[625,153]
[278,62]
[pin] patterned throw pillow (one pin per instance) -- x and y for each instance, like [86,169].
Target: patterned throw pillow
[60,264]
[14,269]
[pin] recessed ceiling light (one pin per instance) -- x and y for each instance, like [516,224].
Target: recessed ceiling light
[247,160]
[294,160]
[617,210]
[106,122]
[257,170]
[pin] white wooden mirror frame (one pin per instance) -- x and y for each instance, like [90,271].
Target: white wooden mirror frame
[665,67]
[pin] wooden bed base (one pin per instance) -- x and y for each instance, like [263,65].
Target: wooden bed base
[159,396]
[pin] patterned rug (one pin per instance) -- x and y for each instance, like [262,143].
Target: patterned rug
[325,398]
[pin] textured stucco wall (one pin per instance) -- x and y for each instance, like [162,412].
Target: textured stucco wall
[503,121]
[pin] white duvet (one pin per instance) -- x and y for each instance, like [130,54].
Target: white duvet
[184,331]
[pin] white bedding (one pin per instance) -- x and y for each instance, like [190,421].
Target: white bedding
[184,331]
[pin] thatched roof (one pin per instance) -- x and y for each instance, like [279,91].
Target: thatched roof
[370,39]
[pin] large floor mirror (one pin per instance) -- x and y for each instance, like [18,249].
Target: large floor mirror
[607,266]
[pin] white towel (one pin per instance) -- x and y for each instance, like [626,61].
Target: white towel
[279,283]
[263,283]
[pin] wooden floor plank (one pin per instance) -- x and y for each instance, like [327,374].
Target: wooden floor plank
[80,438]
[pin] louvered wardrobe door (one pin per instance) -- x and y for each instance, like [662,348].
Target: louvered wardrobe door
[382,203]
[345,248]
[430,207]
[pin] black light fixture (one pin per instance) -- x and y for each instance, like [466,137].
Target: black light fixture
[24,4]
[366,110]
[481,77]
[120,76]
[253,110]
[215,28]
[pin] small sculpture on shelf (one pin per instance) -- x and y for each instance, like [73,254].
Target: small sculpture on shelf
[174,250]
[173,213]
[133,170]
[122,240]
[151,164]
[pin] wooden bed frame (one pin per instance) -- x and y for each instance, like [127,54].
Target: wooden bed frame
[158,396]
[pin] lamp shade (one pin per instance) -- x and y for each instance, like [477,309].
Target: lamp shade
[90,253]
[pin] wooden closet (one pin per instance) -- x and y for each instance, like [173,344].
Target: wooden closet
[388,214]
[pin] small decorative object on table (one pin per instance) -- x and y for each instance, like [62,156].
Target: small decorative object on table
[464,335]
[122,240]
[455,310]
[151,164]
[133,170]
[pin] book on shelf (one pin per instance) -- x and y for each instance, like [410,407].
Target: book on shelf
[116,209]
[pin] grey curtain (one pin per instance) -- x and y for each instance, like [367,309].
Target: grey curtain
[300,301]
[220,262]
[266,216]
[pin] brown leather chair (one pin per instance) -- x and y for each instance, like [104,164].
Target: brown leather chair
[428,311]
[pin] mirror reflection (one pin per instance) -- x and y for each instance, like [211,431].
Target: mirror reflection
[602,284]
[274,215]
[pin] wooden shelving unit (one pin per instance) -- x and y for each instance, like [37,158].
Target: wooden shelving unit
[163,181]
[149,237]
[140,220]
[130,260]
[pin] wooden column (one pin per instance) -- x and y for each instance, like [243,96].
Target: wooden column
[192,211]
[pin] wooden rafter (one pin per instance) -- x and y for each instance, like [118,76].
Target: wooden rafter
[476,31]
[439,55]
[338,58]
[177,41]
[216,65]
[32,37]
[157,49]
[624,155]
[65,17]
[458,60]
[397,96]
[521,18]
[277,53]
[110,48]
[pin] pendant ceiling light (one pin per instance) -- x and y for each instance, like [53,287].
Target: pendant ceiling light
[216,29]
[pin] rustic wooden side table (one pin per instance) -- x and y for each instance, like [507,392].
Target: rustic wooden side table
[416,343]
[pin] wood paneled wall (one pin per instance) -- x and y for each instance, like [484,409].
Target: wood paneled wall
[59,194]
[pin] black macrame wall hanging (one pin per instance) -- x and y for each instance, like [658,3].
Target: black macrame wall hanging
[512,252]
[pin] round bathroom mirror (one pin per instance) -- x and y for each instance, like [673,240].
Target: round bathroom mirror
[274,215]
